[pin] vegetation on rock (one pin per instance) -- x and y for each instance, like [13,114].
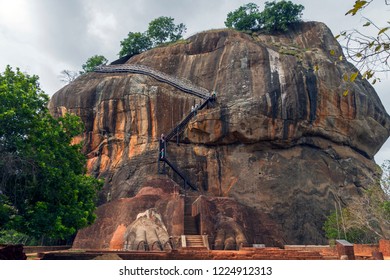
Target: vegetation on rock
[68,76]
[135,43]
[367,218]
[245,17]
[161,30]
[277,16]
[92,63]
[43,189]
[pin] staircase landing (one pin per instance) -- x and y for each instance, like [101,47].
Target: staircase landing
[195,242]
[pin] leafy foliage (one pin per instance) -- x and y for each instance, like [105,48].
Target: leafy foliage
[277,16]
[338,226]
[357,7]
[43,189]
[92,63]
[135,43]
[368,47]
[245,17]
[13,237]
[161,30]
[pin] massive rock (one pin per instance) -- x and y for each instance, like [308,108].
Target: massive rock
[282,141]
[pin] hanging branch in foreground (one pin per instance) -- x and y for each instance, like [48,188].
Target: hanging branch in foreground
[368,48]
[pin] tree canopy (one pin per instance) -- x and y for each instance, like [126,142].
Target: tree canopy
[43,189]
[245,17]
[276,16]
[92,63]
[160,30]
[135,43]
[163,30]
[279,15]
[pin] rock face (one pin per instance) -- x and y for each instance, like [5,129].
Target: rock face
[282,141]
[122,222]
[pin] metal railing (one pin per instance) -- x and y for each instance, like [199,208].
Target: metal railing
[179,83]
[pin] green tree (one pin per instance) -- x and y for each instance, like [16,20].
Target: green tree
[135,43]
[245,17]
[92,63]
[340,225]
[43,189]
[277,16]
[163,30]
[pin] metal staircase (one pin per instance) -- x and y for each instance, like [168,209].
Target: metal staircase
[181,84]
[176,132]
[191,237]
[181,126]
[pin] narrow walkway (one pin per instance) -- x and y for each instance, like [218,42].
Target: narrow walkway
[181,84]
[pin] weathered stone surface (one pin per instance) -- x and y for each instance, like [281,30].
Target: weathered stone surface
[282,140]
[147,229]
[116,219]
[231,225]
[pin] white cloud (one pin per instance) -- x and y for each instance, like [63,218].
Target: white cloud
[15,15]
[102,25]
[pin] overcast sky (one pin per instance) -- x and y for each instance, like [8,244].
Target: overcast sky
[44,37]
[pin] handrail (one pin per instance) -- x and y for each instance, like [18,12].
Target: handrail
[174,168]
[180,84]
[179,128]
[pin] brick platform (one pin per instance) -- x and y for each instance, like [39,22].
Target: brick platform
[198,254]
[384,248]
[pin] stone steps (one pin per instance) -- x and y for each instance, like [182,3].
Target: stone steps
[194,241]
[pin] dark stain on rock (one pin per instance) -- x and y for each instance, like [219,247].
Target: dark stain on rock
[224,117]
[312,90]
[275,95]
[219,171]
[150,117]
[302,97]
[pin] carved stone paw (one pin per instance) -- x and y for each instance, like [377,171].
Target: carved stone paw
[230,235]
[147,233]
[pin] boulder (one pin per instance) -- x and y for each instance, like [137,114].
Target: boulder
[282,140]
